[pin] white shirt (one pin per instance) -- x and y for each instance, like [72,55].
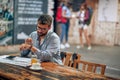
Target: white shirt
[81,15]
[68,12]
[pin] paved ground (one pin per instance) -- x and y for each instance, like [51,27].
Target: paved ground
[99,54]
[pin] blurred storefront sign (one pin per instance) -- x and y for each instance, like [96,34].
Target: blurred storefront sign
[26,13]
[6,22]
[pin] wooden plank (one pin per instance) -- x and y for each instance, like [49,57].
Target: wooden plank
[90,68]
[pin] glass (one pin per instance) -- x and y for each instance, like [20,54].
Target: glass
[34,59]
[42,29]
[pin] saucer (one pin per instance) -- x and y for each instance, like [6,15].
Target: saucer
[38,68]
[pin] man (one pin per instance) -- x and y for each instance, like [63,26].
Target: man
[43,42]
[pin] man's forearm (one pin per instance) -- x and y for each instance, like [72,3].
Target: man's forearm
[33,49]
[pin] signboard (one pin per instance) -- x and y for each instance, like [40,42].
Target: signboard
[26,13]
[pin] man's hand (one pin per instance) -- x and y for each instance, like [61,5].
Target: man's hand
[25,46]
[28,45]
[29,41]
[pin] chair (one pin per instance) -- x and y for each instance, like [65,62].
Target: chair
[74,56]
[68,58]
[89,66]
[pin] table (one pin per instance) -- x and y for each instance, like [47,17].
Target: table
[50,71]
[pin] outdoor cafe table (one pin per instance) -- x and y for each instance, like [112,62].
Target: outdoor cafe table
[50,71]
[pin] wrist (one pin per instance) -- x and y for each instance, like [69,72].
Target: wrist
[33,49]
[30,47]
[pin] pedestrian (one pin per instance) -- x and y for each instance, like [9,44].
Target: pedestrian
[43,42]
[83,16]
[65,24]
[58,17]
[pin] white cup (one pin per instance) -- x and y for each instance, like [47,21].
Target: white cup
[36,65]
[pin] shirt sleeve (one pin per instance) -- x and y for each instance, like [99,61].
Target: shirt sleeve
[25,53]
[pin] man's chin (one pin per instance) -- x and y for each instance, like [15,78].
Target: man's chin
[41,35]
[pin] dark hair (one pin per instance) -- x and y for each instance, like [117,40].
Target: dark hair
[69,3]
[84,4]
[45,19]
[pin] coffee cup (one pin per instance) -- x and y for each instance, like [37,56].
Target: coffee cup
[36,65]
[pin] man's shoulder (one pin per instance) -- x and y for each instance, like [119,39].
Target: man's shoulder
[34,32]
[53,34]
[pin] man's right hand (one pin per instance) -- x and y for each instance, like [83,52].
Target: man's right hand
[29,41]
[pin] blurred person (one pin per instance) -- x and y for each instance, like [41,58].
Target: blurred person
[83,16]
[65,24]
[43,42]
[58,17]
[0,11]
[7,13]
[9,16]
[4,11]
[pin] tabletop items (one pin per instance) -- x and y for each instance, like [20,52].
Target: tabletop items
[35,64]
[34,59]
[15,60]
[42,71]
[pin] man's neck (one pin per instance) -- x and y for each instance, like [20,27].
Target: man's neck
[41,37]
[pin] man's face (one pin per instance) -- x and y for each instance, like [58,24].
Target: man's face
[42,29]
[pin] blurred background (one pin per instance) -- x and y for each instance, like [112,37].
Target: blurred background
[18,19]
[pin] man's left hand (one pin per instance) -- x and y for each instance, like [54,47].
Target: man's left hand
[25,46]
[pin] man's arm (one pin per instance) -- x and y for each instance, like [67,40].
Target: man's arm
[52,48]
[25,49]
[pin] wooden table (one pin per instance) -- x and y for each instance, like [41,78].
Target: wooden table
[50,71]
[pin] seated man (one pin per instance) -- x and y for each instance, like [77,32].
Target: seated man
[43,42]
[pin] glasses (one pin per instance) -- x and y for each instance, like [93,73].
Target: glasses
[42,29]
